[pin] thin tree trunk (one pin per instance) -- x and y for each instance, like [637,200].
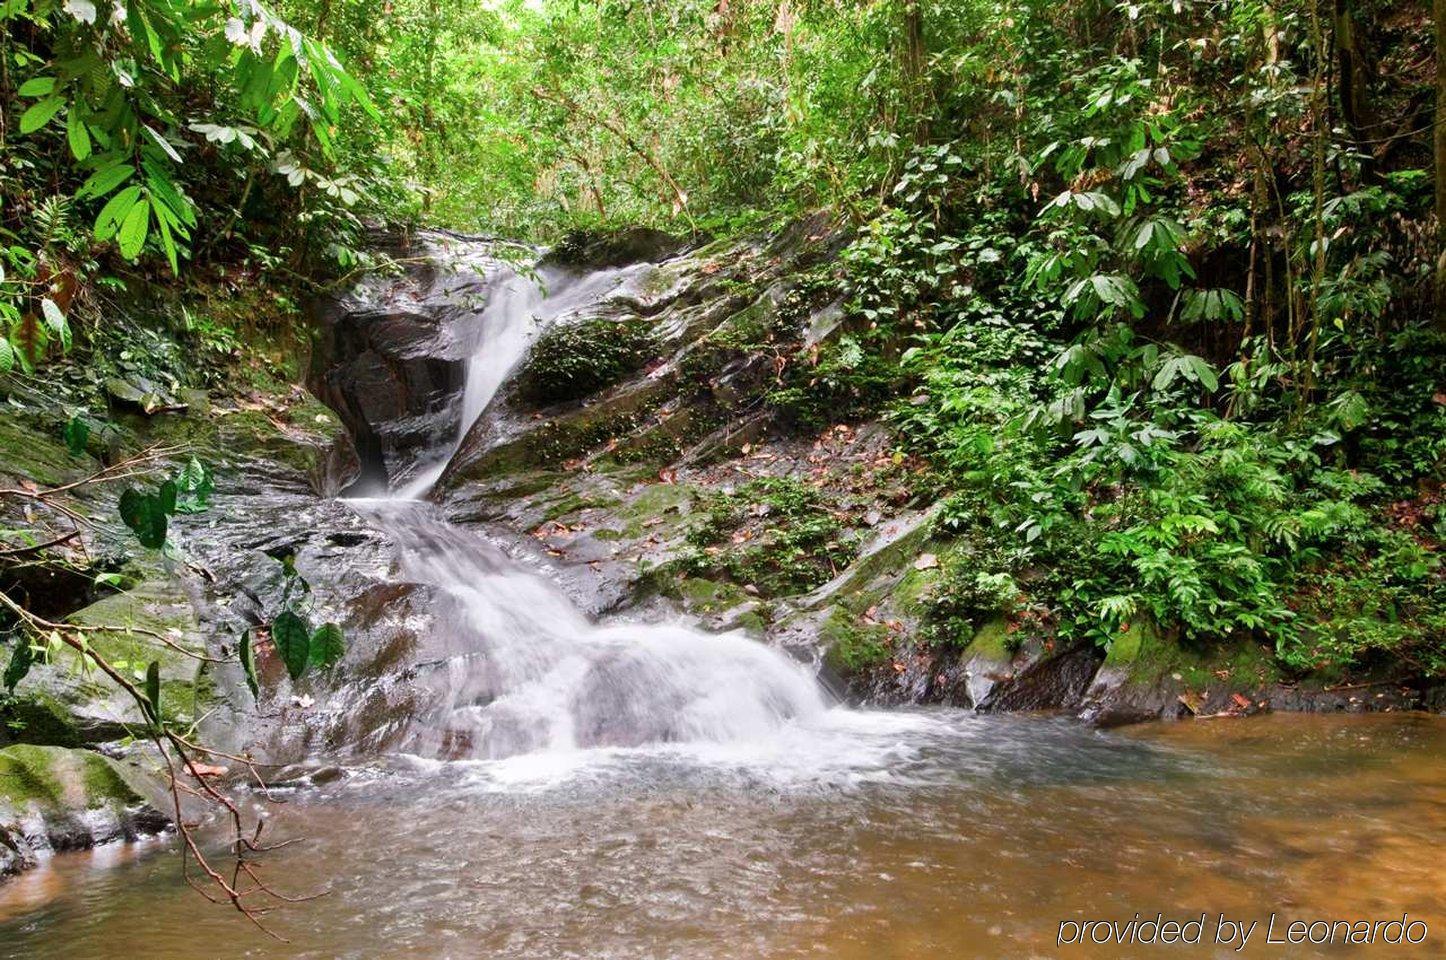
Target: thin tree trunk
[1354,67]
[1318,170]
[915,69]
[1440,148]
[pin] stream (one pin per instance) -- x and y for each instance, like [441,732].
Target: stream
[853,835]
[574,789]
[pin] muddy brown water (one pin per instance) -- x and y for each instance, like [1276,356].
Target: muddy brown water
[876,836]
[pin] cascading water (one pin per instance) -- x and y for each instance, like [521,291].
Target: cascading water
[521,669]
[517,306]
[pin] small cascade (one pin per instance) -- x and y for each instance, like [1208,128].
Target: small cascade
[521,670]
[517,305]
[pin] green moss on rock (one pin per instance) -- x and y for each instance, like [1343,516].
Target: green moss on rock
[572,361]
[851,646]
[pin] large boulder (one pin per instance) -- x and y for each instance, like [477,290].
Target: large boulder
[54,799]
[390,357]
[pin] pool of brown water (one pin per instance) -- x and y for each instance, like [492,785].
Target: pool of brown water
[872,836]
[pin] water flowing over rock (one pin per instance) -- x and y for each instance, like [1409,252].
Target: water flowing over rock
[511,666]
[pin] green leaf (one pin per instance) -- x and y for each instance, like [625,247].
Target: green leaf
[194,485]
[40,114]
[292,637]
[76,134]
[132,237]
[77,432]
[7,356]
[248,664]
[163,143]
[55,319]
[20,662]
[328,645]
[168,243]
[1203,373]
[166,498]
[108,222]
[105,180]
[143,513]
[37,87]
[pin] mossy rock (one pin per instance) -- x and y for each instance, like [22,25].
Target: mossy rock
[60,780]
[600,249]
[701,595]
[990,642]
[575,360]
[852,647]
[30,453]
[53,798]
[62,704]
[571,434]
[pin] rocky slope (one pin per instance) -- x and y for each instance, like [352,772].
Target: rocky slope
[678,477]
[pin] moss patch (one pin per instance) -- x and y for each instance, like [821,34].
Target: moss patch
[991,642]
[55,778]
[853,647]
[31,453]
[575,360]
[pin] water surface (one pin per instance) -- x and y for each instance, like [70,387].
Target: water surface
[858,835]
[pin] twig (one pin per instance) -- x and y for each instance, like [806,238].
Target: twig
[22,551]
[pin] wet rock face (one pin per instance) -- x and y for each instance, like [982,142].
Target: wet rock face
[54,799]
[390,358]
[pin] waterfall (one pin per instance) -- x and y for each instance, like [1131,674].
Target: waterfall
[517,306]
[519,669]
[515,667]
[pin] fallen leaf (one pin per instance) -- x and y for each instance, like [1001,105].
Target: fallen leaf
[926,561]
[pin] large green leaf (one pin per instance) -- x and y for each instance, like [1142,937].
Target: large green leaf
[105,180]
[40,114]
[248,664]
[56,322]
[108,222]
[77,432]
[153,693]
[76,134]
[37,87]
[328,645]
[292,637]
[144,514]
[20,662]
[132,237]
[194,487]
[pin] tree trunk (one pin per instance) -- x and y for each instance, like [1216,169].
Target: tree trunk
[915,67]
[1355,69]
[1440,149]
